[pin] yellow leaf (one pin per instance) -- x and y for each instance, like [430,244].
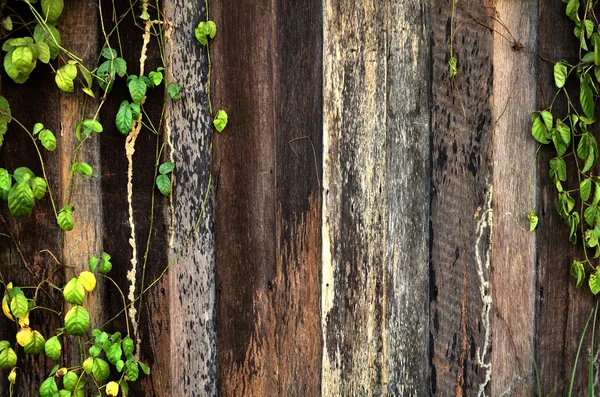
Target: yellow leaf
[88,280]
[112,388]
[24,336]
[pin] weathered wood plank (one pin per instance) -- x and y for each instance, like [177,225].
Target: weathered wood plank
[460,297]
[267,213]
[562,310]
[376,169]
[514,253]
[191,279]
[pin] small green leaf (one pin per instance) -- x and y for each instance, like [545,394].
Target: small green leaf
[114,353]
[586,96]
[452,67]
[48,139]
[38,186]
[19,305]
[95,350]
[156,77]
[201,33]
[173,91]
[594,283]
[53,348]
[131,370]
[100,370]
[538,129]
[128,347]
[564,131]
[65,220]
[20,200]
[165,168]
[585,189]
[48,388]
[120,67]
[52,9]
[220,121]
[23,174]
[77,322]
[137,88]
[5,184]
[590,215]
[105,265]
[163,183]
[124,119]
[119,365]
[93,263]
[533,221]
[144,368]
[43,52]
[82,168]
[548,119]
[36,345]
[50,36]
[8,358]
[70,380]
[7,23]
[37,128]
[212,32]
[93,125]
[74,292]
[109,53]
[578,272]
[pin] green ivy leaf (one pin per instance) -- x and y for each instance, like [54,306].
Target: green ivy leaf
[70,380]
[52,9]
[564,131]
[19,305]
[43,52]
[82,168]
[93,263]
[128,347]
[36,345]
[5,113]
[594,283]
[50,36]
[558,171]
[74,292]
[5,184]
[88,280]
[131,370]
[93,125]
[560,74]
[124,119]
[212,31]
[77,321]
[23,174]
[165,168]
[20,200]
[163,183]
[119,365]
[65,218]
[53,348]
[120,67]
[65,76]
[7,23]
[452,67]
[548,119]
[590,215]
[109,53]
[38,187]
[538,129]
[144,368]
[8,358]
[585,189]
[105,265]
[114,353]
[137,88]
[156,77]
[533,220]
[173,91]
[201,33]
[23,59]
[586,96]
[95,350]
[48,139]
[48,388]
[4,344]
[578,272]
[220,121]
[100,370]
[572,8]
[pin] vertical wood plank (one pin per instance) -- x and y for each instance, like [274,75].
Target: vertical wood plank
[267,202]
[562,309]
[375,223]
[514,254]
[191,278]
[461,212]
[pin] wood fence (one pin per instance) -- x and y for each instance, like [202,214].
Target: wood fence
[366,229]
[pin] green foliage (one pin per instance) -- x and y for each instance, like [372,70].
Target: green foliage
[220,121]
[575,144]
[204,31]
[163,182]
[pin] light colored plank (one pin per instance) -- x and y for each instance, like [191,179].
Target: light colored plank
[191,277]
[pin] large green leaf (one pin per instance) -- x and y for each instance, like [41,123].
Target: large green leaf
[38,186]
[50,36]
[124,119]
[8,358]
[560,74]
[36,345]
[77,321]
[100,370]
[137,88]
[52,9]
[53,348]
[65,77]
[49,388]
[74,292]
[20,200]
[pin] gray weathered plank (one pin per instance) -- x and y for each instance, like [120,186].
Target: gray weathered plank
[191,277]
[375,207]
[514,249]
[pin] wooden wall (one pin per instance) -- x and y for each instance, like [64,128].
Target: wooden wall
[365,231]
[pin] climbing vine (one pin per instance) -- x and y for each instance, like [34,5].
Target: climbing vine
[573,169]
[107,362]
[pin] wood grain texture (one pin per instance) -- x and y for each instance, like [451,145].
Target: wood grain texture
[375,223]
[562,310]
[514,247]
[461,212]
[267,212]
[191,278]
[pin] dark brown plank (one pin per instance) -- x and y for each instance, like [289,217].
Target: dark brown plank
[191,278]
[267,211]
[562,310]
[460,294]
